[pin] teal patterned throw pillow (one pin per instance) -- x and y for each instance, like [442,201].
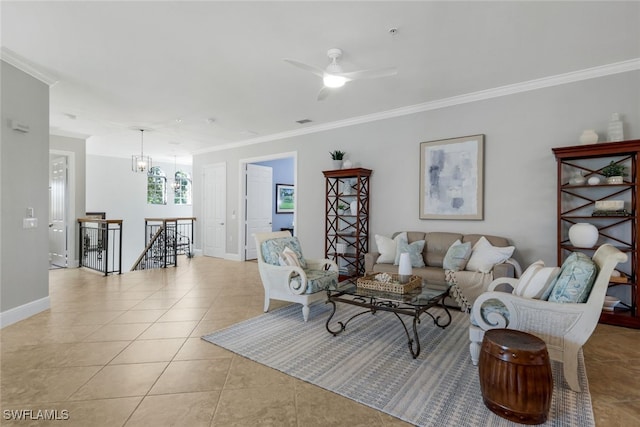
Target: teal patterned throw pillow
[575,281]
[457,256]
[414,249]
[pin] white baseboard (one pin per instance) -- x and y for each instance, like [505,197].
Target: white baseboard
[24,311]
[232,257]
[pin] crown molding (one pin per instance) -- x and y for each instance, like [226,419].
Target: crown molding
[497,92]
[23,64]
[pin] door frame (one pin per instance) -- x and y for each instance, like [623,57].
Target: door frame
[242,174]
[70,196]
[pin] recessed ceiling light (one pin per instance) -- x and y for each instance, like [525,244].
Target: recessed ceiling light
[174,142]
[211,120]
[303,121]
[70,116]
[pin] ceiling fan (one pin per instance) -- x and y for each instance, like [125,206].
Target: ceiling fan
[333,77]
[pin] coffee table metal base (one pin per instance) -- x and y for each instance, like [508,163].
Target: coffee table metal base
[373,305]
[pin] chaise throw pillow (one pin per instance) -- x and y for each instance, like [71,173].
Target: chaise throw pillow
[535,280]
[457,256]
[288,258]
[575,281]
[273,248]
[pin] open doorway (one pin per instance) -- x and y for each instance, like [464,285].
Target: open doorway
[58,211]
[283,168]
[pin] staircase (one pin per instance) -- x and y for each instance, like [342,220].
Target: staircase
[166,238]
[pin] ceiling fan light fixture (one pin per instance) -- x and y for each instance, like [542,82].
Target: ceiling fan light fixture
[332,81]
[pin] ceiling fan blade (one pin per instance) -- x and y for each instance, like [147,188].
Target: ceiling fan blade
[315,70]
[370,74]
[324,92]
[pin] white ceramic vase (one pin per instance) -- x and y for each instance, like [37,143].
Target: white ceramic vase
[404,268]
[577,179]
[337,164]
[353,206]
[583,235]
[615,131]
[589,136]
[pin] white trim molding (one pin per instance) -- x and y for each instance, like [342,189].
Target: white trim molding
[29,67]
[512,89]
[16,314]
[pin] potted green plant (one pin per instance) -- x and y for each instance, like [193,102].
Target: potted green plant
[614,172]
[341,209]
[337,156]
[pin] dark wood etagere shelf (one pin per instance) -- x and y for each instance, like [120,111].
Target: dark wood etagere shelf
[576,203]
[347,230]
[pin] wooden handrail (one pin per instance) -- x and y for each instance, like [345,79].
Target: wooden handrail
[101,221]
[191,218]
[146,249]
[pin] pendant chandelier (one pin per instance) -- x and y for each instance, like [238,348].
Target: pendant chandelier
[141,163]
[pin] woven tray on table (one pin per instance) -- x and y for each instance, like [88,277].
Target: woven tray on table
[369,282]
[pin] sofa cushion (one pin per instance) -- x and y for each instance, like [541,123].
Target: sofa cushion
[273,248]
[575,280]
[457,256]
[437,244]
[485,256]
[494,240]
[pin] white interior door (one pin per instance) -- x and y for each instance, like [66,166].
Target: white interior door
[259,205]
[58,211]
[215,208]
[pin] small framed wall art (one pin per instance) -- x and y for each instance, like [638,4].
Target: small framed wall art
[452,178]
[285,198]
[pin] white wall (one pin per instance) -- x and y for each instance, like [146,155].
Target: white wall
[24,254]
[520,170]
[113,188]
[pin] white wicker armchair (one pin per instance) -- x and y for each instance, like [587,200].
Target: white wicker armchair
[290,283]
[564,327]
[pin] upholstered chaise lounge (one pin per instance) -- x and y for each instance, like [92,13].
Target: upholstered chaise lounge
[564,326]
[288,276]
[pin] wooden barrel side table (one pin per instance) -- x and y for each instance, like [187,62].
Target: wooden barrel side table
[515,376]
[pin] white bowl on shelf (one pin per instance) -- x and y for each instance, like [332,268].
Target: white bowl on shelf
[610,303]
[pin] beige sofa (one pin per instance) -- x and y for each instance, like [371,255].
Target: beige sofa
[436,245]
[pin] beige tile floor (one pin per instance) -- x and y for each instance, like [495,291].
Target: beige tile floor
[126,351]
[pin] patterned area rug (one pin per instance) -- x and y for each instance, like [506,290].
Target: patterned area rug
[371,364]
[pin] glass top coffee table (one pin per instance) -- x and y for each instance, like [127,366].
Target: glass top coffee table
[413,304]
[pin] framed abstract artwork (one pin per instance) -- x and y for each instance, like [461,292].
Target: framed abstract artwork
[285,194]
[452,178]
